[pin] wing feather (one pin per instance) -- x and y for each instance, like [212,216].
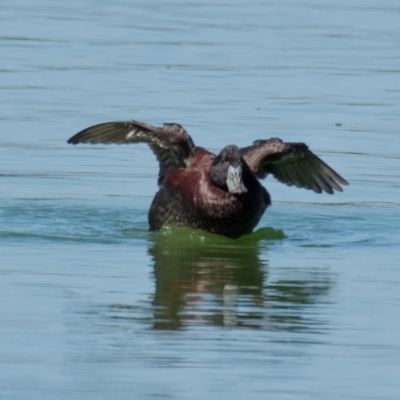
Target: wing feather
[292,164]
[171,144]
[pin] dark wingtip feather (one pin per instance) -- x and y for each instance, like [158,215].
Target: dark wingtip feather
[72,140]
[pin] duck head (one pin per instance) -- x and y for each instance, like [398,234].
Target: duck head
[227,170]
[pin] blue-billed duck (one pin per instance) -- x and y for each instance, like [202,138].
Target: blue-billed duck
[218,193]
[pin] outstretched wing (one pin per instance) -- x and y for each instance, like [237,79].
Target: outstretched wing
[292,164]
[171,144]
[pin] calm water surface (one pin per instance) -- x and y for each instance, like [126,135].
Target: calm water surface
[95,307]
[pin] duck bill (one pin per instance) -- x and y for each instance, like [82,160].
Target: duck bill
[234,180]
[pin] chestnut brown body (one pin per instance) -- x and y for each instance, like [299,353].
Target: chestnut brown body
[188,197]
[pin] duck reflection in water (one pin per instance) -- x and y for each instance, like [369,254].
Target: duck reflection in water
[226,285]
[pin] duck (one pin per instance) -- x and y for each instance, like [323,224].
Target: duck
[219,193]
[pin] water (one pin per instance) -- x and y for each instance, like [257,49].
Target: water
[93,306]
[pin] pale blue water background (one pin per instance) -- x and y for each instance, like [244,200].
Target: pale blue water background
[93,307]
